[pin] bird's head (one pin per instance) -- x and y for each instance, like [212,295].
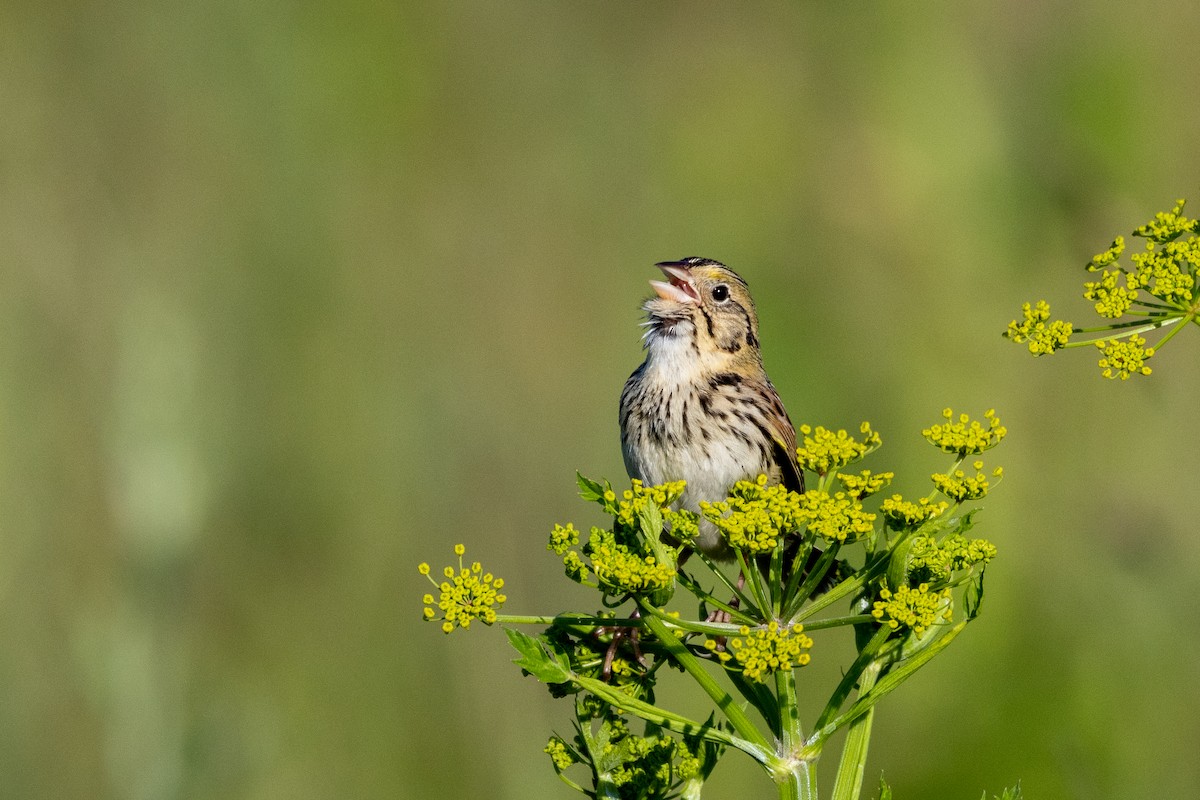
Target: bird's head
[704,303]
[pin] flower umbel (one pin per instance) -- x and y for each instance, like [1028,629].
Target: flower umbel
[904,515]
[1167,270]
[930,561]
[965,436]
[467,594]
[622,570]
[912,608]
[865,483]
[824,451]
[835,517]
[764,651]
[1044,336]
[755,515]
[961,487]
[1120,359]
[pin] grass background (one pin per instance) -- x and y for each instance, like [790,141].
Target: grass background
[295,296]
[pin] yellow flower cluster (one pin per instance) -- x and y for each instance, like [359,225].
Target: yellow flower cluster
[766,650]
[961,487]
[912,608]
[929,559]
[467,594]
[757,515]
[865,483]
[1044,336]
[620,568]
[1108,257]
[905,515]
[562,539]
[1167,225]
[559,753]
[1166,272]
[837,517]
[1112,301]
[637,497]
[965,436]
[825,451]
[1120,359]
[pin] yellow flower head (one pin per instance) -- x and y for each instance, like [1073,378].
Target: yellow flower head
[1108,257]
[468,594]
[965,436]
[865,483]
[930,560]
[764,651]
[912,608]
[1043,335]
[824,451]
[756,515]
[562,539]
[621,569]
[638,496]
[837,517]
[1120,359]
[1167,225]
[905,515]
[1112,301]
[961,487]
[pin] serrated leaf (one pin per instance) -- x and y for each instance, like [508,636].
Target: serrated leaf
[885,791]
[537,658]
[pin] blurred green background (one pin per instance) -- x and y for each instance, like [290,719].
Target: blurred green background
[295,296]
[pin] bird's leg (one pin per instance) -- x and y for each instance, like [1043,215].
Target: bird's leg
[619,636]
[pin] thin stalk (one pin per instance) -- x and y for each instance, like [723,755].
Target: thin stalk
[885,685]
[754,578]
[723,578]
[791,736]
[813,580]
[1167,338]
[775,582]
[848,783]
[732,711]
[856,670]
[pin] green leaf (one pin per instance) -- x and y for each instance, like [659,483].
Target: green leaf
[589,490]
[539,658]
[885,791]
[1013,793]
[966,521]
[973,599]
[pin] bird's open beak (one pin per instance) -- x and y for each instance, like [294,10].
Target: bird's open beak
[681,288]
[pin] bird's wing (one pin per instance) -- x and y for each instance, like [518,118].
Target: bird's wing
[783,436]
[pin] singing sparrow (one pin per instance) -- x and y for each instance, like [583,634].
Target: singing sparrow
[700,408]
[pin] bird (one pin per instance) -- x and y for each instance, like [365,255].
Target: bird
[701,408]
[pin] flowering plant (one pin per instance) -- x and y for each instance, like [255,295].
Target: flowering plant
[906,576]
[1157,290]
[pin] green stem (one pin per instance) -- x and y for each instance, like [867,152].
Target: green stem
[856,670]
[1133,330]
[845,588]
[723,578]
[754,578]
[732,711]
[1167,338]
[848,783]
[888,683]
[669,719]
[735,613]
[813,580]
[791,736]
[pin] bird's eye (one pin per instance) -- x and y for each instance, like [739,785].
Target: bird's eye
[720,293]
